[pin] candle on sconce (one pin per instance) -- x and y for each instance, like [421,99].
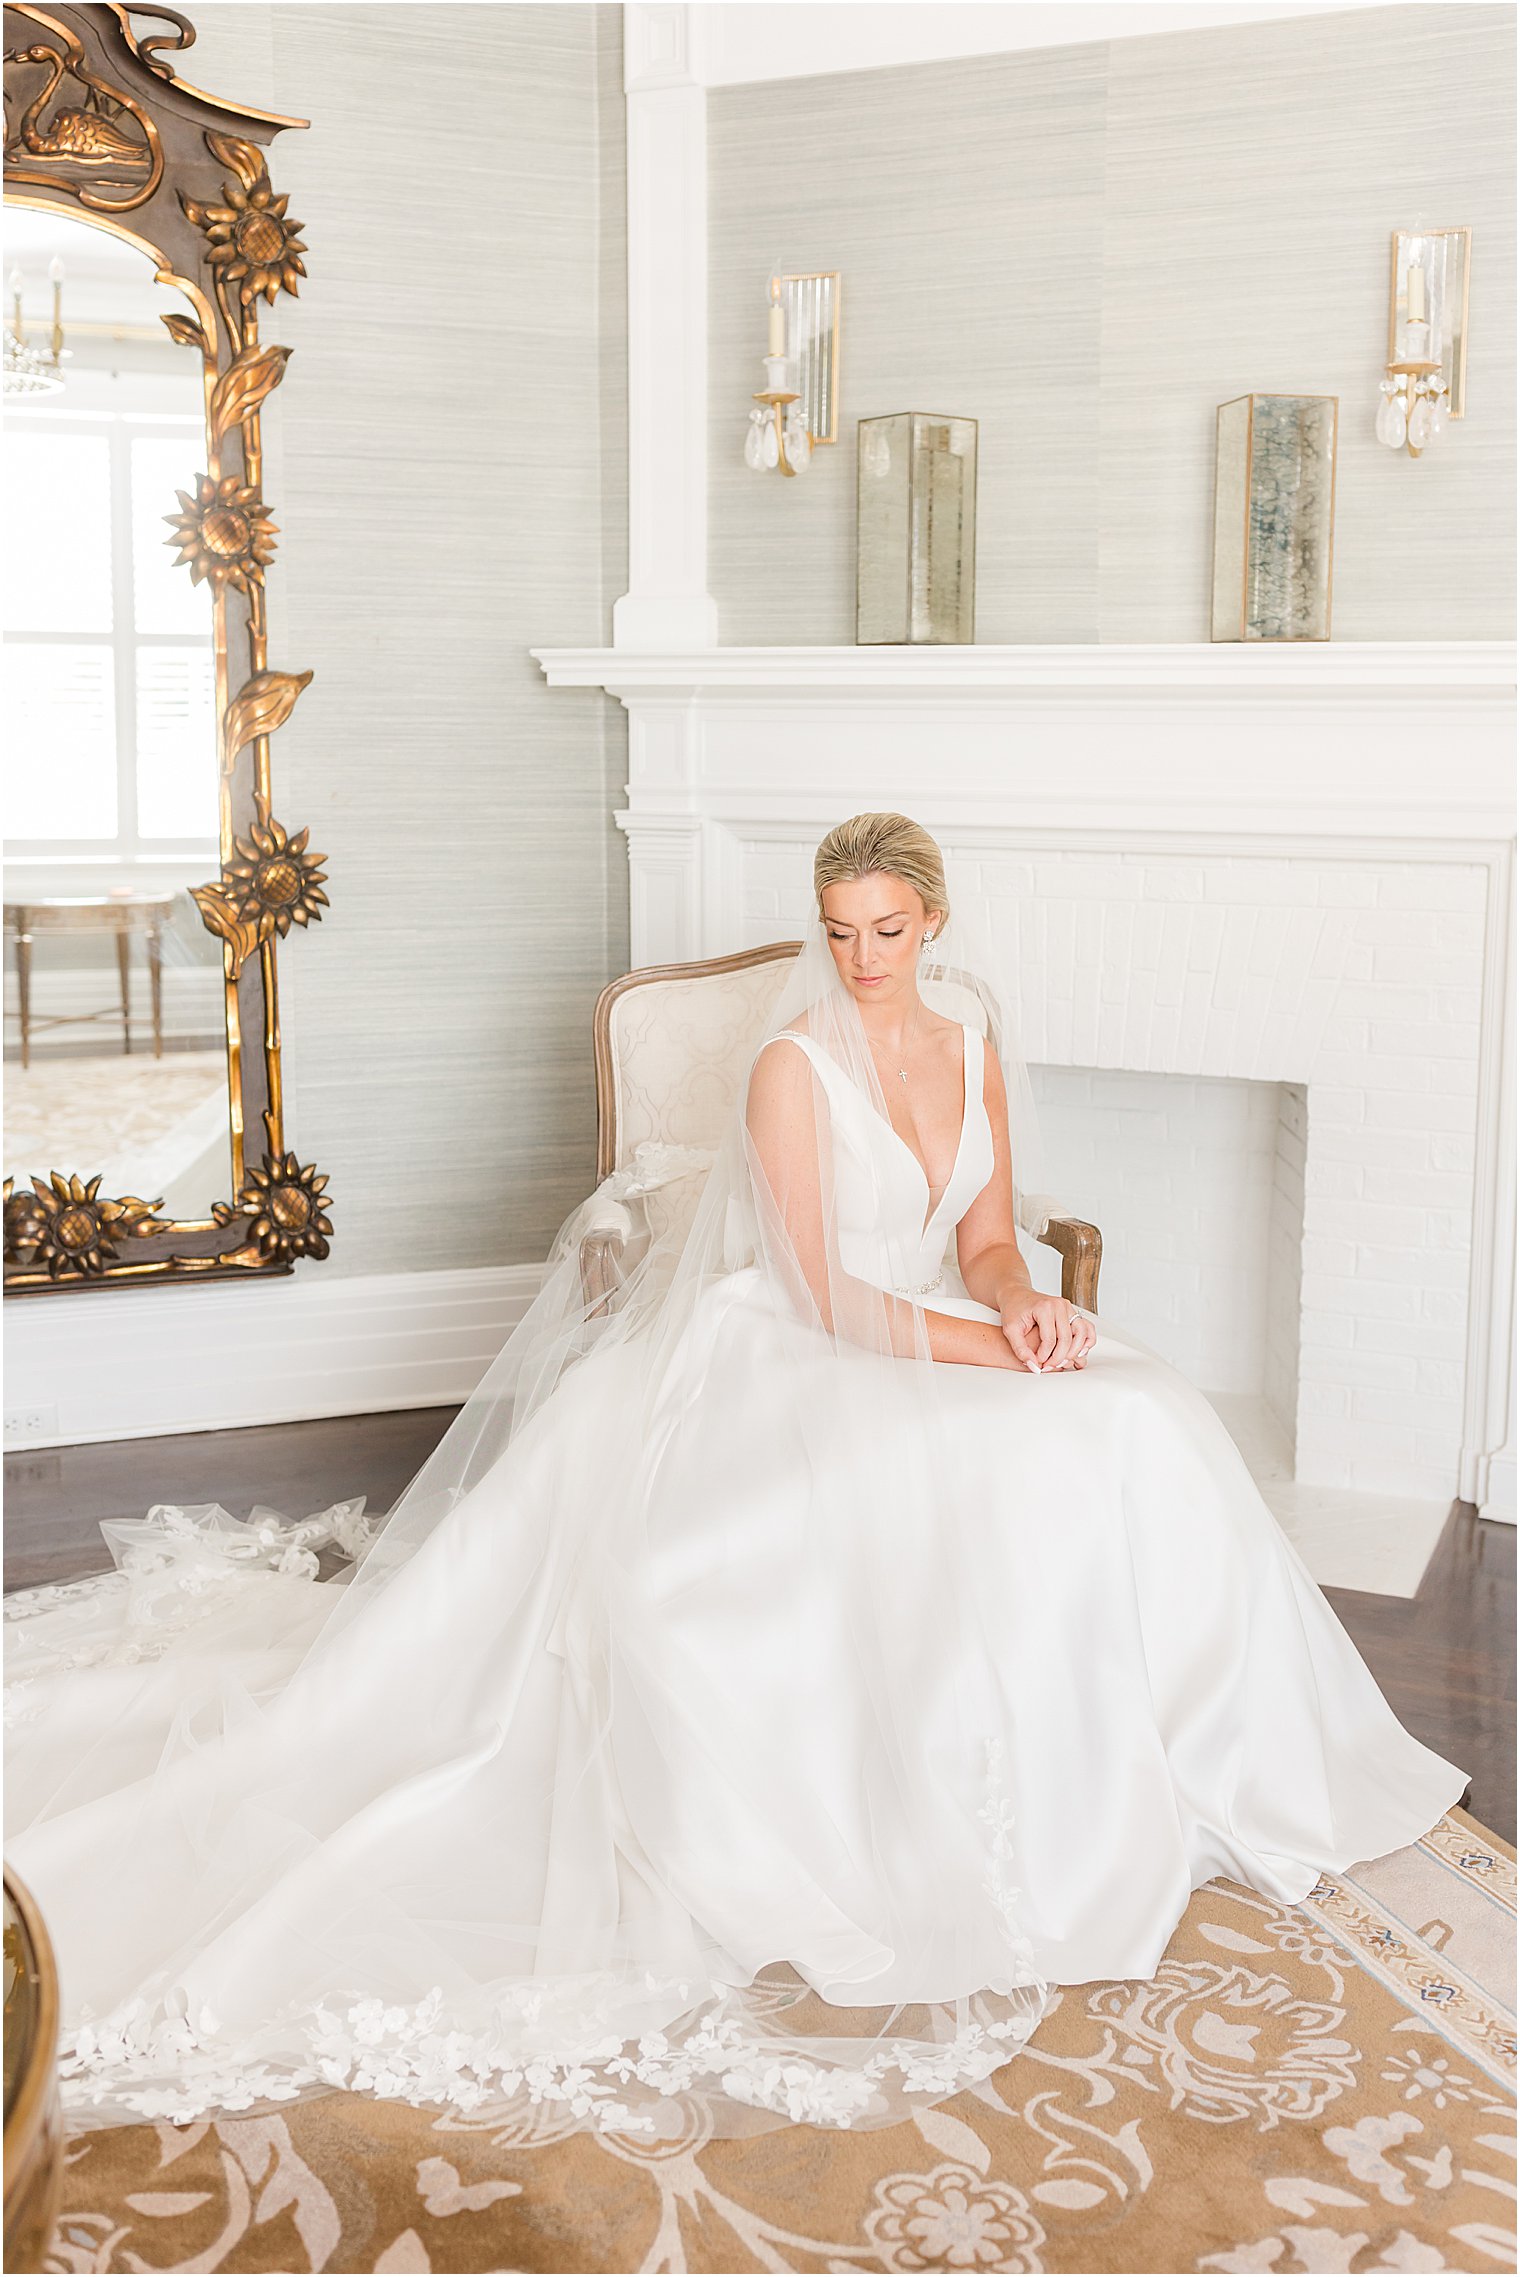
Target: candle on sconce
[1416,294]
[777,336]
[55,272]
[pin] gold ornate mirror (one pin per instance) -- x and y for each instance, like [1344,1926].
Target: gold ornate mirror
[149,879]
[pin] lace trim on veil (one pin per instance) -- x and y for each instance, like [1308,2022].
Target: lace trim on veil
[160,2065]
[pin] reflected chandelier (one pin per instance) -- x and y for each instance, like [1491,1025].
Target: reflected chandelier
[28,370]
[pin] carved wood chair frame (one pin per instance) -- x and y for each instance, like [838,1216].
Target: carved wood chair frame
[99,128]
[1078,1243]
[34,2132]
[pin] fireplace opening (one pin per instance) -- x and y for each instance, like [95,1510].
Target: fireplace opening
[1198,1185]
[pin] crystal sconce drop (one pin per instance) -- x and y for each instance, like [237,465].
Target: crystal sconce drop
[798,407]
[1425,377]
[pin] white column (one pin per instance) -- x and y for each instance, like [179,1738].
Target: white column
[667,605]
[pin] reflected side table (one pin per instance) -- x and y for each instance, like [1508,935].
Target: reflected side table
[120,913]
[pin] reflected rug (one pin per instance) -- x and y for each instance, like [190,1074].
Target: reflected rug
[65,1110]
[1327,2086]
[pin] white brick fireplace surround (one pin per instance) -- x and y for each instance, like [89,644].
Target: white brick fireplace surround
[1289,866]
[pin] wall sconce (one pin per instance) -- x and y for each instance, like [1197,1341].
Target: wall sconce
[1425,378]
[799,405]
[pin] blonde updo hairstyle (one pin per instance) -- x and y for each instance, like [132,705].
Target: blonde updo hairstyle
[869,843]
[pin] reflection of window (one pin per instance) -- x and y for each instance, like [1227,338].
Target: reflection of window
[109,688]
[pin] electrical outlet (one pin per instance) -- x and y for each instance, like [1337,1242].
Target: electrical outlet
[23,1424]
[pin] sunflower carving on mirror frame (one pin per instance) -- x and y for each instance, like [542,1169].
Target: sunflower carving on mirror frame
[273,882]
[67,1228]
[224,532]
[251,238]
[287,1203]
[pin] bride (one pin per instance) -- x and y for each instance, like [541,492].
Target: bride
[787,1671]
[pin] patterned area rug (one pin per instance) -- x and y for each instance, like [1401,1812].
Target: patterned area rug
[1328,2086]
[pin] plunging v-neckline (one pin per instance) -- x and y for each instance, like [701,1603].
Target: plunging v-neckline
[960,1145]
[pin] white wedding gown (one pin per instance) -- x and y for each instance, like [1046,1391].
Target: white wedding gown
[540,1813]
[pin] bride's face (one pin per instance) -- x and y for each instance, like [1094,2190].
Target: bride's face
[874,927]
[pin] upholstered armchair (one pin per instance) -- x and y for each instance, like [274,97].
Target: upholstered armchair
[673,1044]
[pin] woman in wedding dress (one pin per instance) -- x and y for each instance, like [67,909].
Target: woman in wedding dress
[784,1674]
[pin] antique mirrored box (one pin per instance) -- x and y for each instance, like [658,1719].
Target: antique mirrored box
[1274,517]
[915,576]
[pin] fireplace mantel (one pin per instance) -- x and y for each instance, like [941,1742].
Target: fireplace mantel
[1476,670]
[1351,740]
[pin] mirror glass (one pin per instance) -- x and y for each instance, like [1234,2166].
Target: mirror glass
[115,1035]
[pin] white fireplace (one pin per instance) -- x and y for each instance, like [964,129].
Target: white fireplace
[1280,881]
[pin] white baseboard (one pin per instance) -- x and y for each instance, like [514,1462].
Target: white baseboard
[134,1364]
[1499,1501]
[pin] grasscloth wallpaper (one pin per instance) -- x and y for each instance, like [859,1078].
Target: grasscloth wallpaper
[1088,248]
[448,470]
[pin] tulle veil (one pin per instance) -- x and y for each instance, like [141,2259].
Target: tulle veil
[418,1829]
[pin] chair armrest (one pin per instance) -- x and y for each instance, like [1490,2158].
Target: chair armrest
[601,1252]
[1079,1244]
[1081,1251]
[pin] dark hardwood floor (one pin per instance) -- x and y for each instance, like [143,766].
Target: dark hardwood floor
[1445,1658]
[55,1499]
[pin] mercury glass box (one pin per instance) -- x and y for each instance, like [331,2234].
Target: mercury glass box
[915,573]
[1274,517]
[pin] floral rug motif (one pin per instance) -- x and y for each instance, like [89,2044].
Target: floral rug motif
[1320,2087]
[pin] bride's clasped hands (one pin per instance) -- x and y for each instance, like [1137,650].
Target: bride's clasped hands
[1046,1334]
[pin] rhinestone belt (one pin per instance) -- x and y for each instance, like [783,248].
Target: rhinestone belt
[921,1289]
